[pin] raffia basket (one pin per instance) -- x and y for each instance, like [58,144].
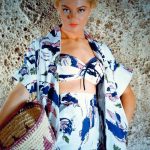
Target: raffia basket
[28,129]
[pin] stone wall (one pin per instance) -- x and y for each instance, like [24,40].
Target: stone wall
[122,24]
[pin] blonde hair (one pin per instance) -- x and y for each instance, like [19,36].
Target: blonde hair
[93,3]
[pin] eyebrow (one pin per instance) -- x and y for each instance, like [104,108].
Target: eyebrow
[68,7]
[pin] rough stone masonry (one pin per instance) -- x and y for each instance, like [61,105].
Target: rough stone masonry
[122,24]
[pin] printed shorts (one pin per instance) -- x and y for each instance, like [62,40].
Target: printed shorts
[79,122]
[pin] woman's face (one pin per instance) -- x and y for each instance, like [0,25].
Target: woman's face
[74,12]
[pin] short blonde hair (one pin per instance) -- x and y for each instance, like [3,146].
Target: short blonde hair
[93,3]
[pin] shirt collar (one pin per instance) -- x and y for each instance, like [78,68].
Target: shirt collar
[55,37]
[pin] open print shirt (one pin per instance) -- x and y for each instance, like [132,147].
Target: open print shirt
[39,74]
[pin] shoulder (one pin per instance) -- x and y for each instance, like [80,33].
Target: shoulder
[104,49]
[37,43]
[44,39]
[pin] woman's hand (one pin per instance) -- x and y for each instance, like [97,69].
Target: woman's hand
[16,97]
[129,103]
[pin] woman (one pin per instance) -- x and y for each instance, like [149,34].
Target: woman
[83,116]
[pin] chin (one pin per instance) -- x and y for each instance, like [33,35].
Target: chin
[69,28]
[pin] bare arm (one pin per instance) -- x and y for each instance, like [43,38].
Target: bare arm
[16,97]
[129,102]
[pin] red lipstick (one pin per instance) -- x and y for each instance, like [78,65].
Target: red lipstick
[73,24]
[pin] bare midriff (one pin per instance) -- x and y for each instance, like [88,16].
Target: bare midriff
[76,85]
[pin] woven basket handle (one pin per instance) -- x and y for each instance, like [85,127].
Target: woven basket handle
[38,73]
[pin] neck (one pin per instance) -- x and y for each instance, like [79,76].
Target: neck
[69,35]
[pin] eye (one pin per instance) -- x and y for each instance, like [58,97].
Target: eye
[81,10]
[65,10]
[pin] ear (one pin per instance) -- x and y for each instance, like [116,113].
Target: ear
[55,6]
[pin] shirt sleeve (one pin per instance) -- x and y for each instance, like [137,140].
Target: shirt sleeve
[122,75]
[27,73]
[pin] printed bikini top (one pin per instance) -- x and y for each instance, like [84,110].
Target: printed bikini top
[71,68]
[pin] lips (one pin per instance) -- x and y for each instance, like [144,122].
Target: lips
[73,24]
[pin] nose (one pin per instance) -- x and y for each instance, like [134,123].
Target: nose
[73,15]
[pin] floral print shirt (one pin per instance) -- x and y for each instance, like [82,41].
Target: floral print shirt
[39,75]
